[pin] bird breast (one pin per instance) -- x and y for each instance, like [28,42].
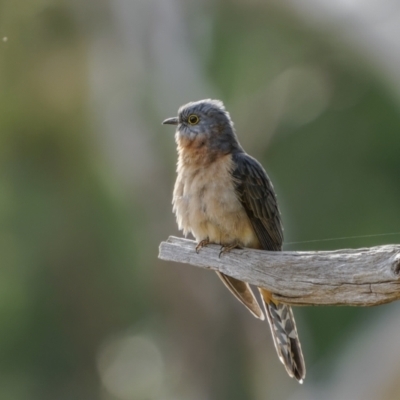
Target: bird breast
[206,205]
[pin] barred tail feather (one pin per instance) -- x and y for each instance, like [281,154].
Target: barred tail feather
[284,333]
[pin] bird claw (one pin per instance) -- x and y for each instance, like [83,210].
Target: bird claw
[201,244]
[228,248]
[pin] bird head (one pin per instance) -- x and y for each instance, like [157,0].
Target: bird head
[204,123]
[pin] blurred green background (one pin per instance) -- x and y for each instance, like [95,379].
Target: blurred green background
[87,311]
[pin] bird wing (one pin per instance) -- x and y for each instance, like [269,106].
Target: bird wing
[256,194]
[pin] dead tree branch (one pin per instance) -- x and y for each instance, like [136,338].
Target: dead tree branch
[352,277]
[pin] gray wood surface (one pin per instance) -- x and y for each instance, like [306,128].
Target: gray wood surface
[357,277]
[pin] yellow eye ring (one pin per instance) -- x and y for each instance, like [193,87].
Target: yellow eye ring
[193,119]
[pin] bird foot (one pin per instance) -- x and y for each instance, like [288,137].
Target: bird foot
[201,244]
[228,248]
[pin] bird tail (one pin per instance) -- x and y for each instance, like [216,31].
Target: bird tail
[284,333]
[242,291]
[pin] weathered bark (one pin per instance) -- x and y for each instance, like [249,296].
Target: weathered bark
[354,277]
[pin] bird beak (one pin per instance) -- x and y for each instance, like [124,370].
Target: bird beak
[171,121]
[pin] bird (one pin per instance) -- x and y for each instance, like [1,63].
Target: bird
[223,196]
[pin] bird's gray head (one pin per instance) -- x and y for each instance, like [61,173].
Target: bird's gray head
[205,123]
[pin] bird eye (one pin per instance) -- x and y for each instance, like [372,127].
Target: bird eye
[193,119]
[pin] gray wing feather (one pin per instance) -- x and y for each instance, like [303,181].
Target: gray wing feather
[256,193]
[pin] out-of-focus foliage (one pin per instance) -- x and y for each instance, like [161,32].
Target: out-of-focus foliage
[86,174]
